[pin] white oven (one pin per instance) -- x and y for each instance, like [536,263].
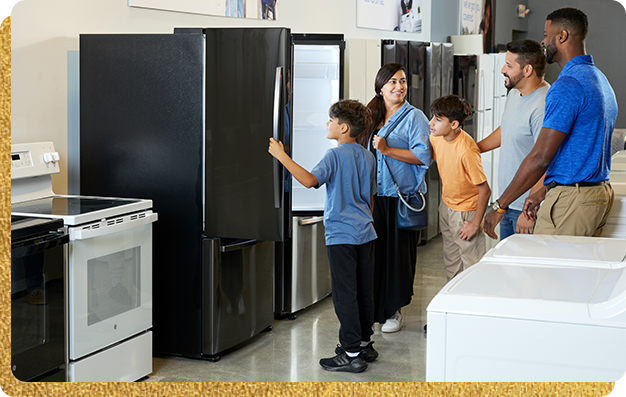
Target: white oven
[110,282]
[109,269]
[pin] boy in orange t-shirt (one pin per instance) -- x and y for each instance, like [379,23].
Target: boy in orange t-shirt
[464,189]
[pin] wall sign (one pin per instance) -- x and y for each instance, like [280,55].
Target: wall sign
[256,9]
[399,15]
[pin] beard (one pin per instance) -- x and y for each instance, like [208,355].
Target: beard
[550,50]
[512,81]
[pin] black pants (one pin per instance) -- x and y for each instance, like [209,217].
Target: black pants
[352,275]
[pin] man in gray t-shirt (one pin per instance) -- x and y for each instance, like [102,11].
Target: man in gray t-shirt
[521,123]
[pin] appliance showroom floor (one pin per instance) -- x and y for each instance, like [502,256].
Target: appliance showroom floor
[292,350]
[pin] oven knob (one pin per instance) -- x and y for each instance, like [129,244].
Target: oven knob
[115,326]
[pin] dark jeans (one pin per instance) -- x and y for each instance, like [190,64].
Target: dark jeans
[352,275]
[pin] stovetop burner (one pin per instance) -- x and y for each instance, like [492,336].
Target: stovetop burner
[61,205]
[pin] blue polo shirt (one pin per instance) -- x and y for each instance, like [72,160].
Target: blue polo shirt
[581,103]
[348,171]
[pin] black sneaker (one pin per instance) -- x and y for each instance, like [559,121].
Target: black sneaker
[367,353]
[344,363]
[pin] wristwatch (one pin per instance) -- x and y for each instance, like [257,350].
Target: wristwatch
[495,206]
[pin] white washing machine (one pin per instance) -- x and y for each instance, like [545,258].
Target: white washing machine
[535,308]
[569,251]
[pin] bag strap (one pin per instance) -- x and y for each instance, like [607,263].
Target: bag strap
[419,190]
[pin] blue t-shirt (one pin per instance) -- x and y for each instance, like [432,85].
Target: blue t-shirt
[581,103]
[348,171]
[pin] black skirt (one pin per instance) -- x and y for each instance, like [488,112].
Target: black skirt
[395,260]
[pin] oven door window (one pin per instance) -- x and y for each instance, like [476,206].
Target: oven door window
[110,294]
[114,284]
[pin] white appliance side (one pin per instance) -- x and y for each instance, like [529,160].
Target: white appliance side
[126,362]
[100,314]
[316,87]
[485,70]
[436,347]
[489,349]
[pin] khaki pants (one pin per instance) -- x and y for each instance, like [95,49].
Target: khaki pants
[459,254]
[575,210]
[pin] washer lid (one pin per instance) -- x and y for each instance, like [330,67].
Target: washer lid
[572,251]
[550,294]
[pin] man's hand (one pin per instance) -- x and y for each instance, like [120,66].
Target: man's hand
[532,203]
[524,225]
[492,218]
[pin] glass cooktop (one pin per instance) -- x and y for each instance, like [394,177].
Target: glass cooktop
[60,205]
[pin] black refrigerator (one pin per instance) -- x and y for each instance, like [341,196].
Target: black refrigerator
[184,119]
[464,85]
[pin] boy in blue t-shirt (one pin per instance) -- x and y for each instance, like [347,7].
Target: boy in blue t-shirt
[348,171]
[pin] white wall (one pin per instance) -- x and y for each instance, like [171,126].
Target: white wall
[44,36]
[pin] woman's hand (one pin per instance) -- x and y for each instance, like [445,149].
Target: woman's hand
[380,144]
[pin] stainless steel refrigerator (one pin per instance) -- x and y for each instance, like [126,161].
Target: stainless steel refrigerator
[187,117]
[304,278]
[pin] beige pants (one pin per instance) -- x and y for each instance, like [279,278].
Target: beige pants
[459,254]
[575,210]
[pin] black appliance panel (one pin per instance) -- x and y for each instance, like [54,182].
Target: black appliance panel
[464,85]
[248,73]
[38,305]
[141,135]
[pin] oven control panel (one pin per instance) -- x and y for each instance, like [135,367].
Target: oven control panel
[33,159]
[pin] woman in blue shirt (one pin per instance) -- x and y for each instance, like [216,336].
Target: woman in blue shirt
[399,136]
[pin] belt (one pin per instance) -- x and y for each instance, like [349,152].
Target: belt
[581,184]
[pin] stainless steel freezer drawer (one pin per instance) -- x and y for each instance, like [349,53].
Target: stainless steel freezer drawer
[310,276]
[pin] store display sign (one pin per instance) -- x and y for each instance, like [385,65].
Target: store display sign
[261,9]
[399,15]
[471,16]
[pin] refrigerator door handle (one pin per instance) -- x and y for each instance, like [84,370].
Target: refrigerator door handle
[277,88]
[311,221]
[238,245]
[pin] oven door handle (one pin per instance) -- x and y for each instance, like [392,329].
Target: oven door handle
[39,246]
[79,233]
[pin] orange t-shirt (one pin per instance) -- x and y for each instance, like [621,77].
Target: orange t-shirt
[460,169]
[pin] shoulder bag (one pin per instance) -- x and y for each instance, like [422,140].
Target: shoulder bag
[410,214]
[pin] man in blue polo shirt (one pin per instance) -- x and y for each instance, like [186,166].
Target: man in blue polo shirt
[574,145]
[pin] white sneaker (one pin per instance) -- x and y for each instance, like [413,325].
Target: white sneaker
[393,324]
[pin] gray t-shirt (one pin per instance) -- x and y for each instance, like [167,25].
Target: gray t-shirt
[519,129]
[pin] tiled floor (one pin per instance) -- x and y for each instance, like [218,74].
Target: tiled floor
[291,351]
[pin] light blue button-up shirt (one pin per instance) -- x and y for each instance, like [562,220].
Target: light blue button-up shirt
[406,129]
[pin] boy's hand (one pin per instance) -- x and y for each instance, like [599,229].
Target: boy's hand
[468,231]
[276,148]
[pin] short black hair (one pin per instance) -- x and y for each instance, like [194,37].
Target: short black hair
[453,107]
[353,113]
[572,19]
[529,52]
